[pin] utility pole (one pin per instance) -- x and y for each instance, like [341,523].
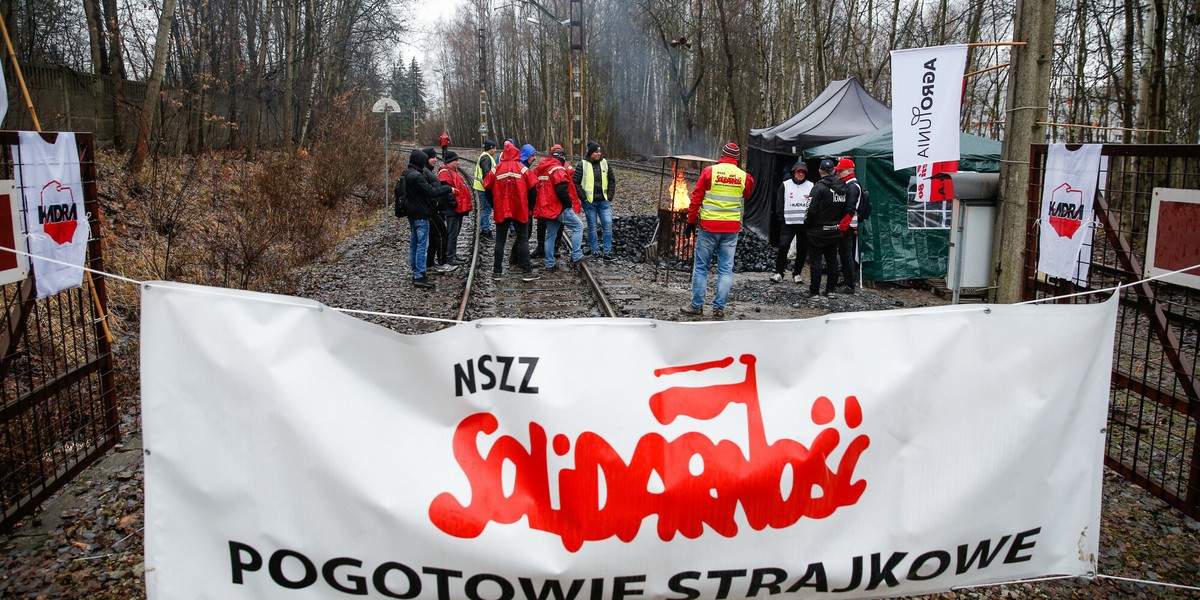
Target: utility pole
[575,22]
[481,38]
[1028,97]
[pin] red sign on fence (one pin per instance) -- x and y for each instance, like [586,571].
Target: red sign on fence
[1174,240]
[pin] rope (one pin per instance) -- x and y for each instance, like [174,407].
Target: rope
[217,292]
[1116,288]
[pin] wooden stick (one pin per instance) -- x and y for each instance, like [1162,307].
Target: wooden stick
[1081,126]
[973,73]
[12,55]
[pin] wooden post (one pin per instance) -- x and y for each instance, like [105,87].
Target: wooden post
[1028,96]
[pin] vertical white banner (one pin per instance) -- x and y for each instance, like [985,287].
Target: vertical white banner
[55,220]
[1068,189]
[926,100]
[292,451]
[3,95]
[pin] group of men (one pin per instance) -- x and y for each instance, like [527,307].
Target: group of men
[435,204]
[821,217]
[513,192]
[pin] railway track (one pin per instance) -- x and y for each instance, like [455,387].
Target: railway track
[570,291]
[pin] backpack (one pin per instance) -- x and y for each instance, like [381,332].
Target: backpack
[864,203]
[400,195]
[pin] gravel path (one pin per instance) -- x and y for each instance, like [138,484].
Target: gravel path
[86,542]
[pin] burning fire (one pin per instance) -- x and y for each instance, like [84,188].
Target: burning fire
[679,191]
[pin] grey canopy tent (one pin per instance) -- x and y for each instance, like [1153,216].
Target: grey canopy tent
[843,110]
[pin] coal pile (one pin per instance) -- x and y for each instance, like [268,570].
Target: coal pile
[632,234]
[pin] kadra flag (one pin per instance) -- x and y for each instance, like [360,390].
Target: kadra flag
[1069,187]
[55,220]
[927,86]
[296,452]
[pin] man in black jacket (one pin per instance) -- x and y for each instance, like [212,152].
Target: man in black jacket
[438,232]
[824,216]
[422,198]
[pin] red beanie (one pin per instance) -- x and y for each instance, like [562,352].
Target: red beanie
[732,151]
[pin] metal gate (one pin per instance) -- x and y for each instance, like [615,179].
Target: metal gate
[1152,436]
[59,409]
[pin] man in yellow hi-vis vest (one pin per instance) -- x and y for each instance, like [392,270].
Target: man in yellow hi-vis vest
[596,184]
[717,205]
[486,164]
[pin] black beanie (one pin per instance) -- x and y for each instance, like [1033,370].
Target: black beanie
[488,145]
[591,147]
[449,156]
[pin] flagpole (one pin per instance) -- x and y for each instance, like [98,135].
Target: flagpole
[12,55]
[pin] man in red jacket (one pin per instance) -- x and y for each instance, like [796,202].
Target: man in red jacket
[513,186]
[450,175]
[558,203]
[444,141]
[717,205]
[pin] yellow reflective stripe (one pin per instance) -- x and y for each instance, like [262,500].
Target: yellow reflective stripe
[509,175]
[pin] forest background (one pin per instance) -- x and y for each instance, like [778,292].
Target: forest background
[659,75]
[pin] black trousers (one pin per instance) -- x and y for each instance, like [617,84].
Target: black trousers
[520,245]
[453,226]
[848,253]
[823,259]
[786,234]
[437,239]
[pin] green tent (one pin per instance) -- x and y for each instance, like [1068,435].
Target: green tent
[891,249]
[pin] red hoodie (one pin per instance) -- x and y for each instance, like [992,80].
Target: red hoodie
[462,193]
[550,172]
[510,183]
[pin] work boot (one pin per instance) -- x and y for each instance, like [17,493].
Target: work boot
[694,311]
[424,283]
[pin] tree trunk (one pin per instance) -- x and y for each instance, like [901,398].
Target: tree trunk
[1028,96]
[117,66]
[146,117]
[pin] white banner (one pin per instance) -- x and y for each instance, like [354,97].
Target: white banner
[1068,189]
[55,220]
[927,86]
[3,95]
[294,451]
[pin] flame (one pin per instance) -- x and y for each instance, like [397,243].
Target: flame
[680,199]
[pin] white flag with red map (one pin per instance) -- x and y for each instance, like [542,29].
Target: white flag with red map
[55,220]
[1068,189]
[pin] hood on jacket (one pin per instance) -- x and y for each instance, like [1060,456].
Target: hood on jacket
[418,159]
[527,151]
[510,152]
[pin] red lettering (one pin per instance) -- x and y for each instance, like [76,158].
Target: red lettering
[688,502]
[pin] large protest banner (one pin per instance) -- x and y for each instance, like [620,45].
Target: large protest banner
[294,451]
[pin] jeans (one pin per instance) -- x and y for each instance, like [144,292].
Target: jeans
[418,246]
[569,219]
[723,245]
[520,246]
[485,212]
[601,210]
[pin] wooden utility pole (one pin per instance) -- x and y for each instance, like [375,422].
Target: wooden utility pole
[1028,97]
[575,23]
